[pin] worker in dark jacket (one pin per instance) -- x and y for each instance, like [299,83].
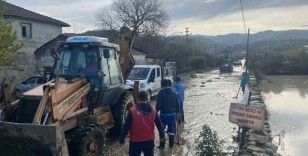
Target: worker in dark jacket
[168,105]
[140,123]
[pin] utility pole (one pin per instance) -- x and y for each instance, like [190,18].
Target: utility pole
[247,48]
[187,31]
[187,41]
[187,34]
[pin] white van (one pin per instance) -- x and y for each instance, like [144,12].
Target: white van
[150,77]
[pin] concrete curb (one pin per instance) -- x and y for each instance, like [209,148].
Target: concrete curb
[258,142]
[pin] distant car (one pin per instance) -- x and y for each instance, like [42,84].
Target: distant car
[29,84]
[226,66]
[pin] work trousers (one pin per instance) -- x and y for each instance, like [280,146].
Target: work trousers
[169,122]
[145,147]
[181,111]
[243,89]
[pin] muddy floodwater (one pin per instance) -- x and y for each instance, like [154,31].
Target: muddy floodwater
[208,98]
[287,100]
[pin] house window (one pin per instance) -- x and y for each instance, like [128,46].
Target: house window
[26,30]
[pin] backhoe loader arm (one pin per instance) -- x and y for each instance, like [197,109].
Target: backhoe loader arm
[126,59]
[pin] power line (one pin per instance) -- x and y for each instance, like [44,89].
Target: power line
[243,16]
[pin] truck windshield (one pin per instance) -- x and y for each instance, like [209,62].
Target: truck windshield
[139,73]
[78,60]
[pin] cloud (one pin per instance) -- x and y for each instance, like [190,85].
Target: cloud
[258,20]
[80,14]
[202,16]
[209,1]
[207,9]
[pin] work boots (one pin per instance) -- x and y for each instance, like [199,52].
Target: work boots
[162,142]
[171,141]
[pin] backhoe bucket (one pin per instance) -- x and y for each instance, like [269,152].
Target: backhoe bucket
[24,139]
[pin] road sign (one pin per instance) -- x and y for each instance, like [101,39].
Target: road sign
[247,115]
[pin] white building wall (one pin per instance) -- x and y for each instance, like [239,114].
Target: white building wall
[41,34]
[140,59]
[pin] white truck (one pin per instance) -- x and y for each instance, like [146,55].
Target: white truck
[149,77]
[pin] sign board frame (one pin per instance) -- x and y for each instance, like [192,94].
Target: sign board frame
[250,116]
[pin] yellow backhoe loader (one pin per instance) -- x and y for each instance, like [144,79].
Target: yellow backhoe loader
[72,114]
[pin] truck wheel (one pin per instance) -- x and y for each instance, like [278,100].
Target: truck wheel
[87,141]
[120,111]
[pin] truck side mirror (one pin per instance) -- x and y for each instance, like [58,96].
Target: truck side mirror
[106,53]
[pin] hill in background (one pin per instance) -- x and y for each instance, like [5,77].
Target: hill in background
[213,44]
[236,38]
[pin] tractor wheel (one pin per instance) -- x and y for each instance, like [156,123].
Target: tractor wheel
[120,111]
[87,141]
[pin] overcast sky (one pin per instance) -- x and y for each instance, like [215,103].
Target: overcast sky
[208,17]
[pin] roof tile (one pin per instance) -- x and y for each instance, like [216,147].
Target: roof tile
[11,10]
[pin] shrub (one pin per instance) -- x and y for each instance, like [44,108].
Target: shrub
[9,43]
[208,143]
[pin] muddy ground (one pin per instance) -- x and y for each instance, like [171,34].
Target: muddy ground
[208,97]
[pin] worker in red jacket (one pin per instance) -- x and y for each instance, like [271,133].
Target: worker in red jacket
[140,123]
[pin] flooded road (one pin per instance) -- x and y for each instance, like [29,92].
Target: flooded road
[208,98]
[287,101]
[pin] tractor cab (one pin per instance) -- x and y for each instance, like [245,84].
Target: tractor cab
[91,57]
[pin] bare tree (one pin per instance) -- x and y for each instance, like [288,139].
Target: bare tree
[140,16]
[107,19]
